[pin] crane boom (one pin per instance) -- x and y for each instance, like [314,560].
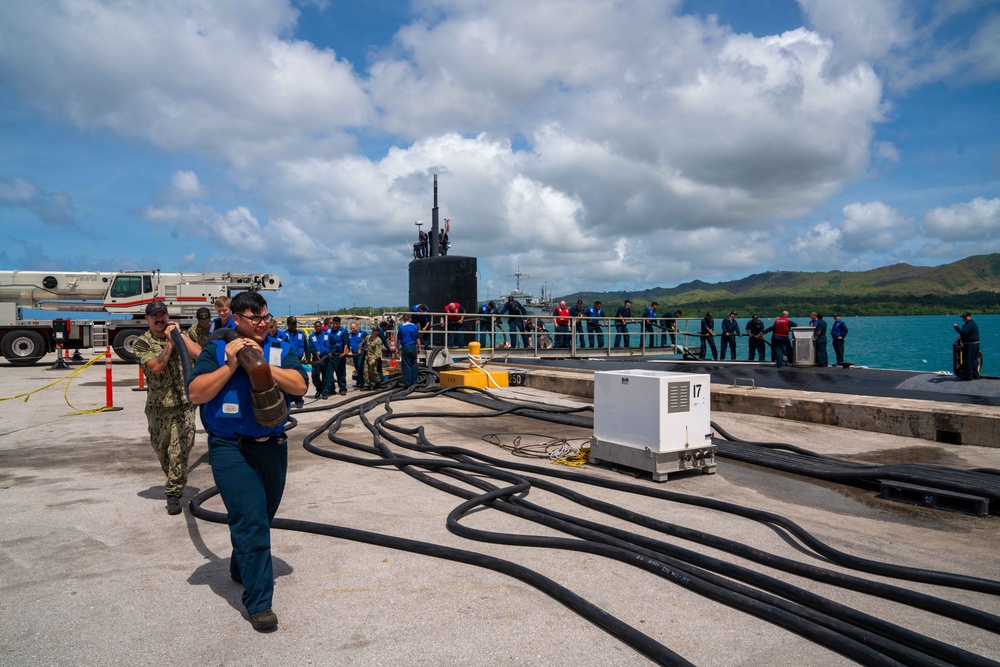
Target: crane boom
[109,293]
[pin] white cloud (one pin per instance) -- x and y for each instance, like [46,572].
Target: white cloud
[887,151]
[864,30]
[236,229]
[872,226]
[185,185]
[636,112]
[52,208]
[909,42]
[213,77]
[821,241]
[600,144]
[976,220]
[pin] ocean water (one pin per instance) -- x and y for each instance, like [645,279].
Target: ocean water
[915,343]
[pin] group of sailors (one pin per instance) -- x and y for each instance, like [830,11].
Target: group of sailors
[422,248]
[329,347]
[658,329]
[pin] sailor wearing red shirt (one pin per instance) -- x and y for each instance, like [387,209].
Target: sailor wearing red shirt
[456,323]
[780,345]
[561,314]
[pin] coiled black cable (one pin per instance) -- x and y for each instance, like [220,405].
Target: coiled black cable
[862,637]
[952,653]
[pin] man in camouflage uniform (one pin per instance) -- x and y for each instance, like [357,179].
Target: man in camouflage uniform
[373,355]
[169,414]
[199,332]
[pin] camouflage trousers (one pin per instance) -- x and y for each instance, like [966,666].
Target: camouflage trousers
[171,432]
[371,372]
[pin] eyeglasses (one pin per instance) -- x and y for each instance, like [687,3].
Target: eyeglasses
[257,319]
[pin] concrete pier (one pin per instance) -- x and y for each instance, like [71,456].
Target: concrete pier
[94,571]
[949,423]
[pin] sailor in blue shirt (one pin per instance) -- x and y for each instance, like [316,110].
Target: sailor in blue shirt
[225,315]
[577,312]
[969,333]
[409,348]
[730,330]
[339,349]
[319,350]
[839,332]
[819,341]
[355,341]
[248,459]
[594,315]
[515,322]
[296,338]
[623,314]
[649,319]
[423,321]
[708,337]
[487,320]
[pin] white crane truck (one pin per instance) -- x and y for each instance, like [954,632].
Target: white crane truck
[119,293]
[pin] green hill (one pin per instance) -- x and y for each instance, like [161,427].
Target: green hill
[901,289]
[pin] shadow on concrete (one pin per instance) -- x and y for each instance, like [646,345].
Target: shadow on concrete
[215,575]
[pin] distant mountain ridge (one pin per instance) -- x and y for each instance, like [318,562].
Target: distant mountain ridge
[941,286]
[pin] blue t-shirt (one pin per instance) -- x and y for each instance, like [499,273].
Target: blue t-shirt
[409,334]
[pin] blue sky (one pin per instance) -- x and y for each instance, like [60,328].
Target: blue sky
[605,145]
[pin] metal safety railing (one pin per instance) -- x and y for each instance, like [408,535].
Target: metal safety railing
[555,336]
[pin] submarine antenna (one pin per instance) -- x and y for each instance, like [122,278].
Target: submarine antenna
[434,220]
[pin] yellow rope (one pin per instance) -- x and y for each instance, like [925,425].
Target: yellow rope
[68,378]
[578,459]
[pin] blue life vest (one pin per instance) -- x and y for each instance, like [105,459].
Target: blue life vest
[230,413]
[297,341]
[217,324]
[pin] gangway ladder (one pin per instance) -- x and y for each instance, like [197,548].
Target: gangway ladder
[99,335]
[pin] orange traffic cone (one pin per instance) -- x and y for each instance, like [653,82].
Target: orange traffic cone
[142,381]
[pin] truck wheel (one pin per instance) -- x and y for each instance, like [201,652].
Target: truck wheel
[23,347]
[124,340]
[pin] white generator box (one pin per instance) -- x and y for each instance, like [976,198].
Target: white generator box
[653,410]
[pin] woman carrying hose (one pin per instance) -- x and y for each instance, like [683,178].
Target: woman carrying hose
[244,390]
[169,414]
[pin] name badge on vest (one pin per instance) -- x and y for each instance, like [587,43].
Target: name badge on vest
[274,355]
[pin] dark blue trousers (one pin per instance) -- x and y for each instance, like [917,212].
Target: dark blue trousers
[336,374]
[822,359]
[781,347]
[321,369]
[562,336]
[592,329]
[838,349]
[251,480]
[622,330]
[410,372]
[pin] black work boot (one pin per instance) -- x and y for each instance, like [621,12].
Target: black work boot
[264,621]
[173,505]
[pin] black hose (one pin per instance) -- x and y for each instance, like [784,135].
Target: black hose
[855,634]
[863,623]
[182,350]
[614,626]
[842,558]
[804,462]
[890,645]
